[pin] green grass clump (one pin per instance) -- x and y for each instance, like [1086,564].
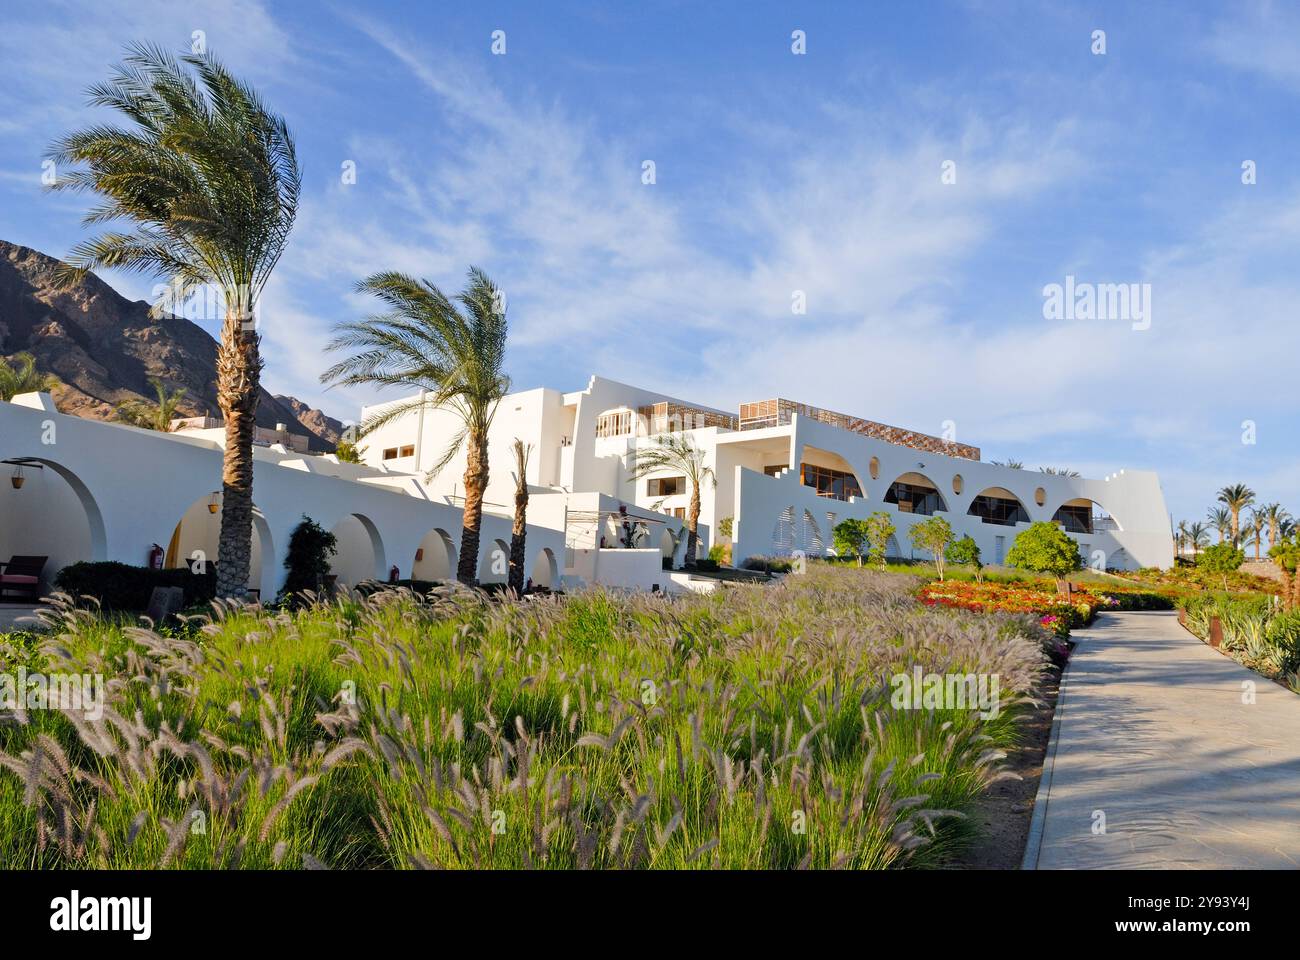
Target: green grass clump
[749,728]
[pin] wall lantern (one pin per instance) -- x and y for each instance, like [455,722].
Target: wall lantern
[214,502]
[17,479]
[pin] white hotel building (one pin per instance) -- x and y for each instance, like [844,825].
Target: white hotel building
[786,474]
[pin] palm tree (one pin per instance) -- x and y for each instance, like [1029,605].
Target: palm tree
[20,375]
[1180,537]
[1198,535]
[453,356]
[1013,464]
[1275,514]
[677,452]
[1059,471]
[1256,526]
[1237,497]
[207,177]
[1221,520]
[152,416]
[519,529]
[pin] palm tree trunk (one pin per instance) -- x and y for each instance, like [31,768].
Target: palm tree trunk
[692,522]
[476,480]
[518,533]
[239,371]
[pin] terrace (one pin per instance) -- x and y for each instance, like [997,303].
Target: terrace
[780,412]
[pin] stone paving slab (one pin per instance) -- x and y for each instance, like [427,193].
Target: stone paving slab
[1153,732]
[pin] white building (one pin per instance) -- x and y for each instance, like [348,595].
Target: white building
[74,489]
[786,474]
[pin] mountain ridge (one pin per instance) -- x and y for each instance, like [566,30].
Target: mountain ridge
[104,348]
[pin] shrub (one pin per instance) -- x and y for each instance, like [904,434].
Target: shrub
[879,529]
[308,559]
[717,555]
[122,587]
[966,552]
[1222,559]
[769,564]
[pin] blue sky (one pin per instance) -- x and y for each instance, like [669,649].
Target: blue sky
[778,173]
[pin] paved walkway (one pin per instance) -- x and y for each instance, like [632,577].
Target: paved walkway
[1153,733]
[14,616]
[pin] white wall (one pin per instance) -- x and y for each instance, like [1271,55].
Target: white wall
[137,483]
[1133,499]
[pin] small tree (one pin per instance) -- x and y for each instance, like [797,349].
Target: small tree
[726,526]
[967,551]
[1045,548]
[348,452]
[879,529]
[933,535]
[851,538]
[308,558]
[1223,559]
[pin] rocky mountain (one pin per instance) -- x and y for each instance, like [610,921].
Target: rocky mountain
[104,348]
[316,421]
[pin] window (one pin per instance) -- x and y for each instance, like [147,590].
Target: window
[679,513]
[836,484]
[775,468]
[999,510]
[397,453]
[1075,518]
[914,498]
[665,486]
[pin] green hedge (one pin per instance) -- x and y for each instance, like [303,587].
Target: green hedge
[120,586]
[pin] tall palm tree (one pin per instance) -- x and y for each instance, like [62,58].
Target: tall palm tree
[1237,497]
[1198,535]
[1180,537]
[207,178]
[519,529]
[425,342]
[153,416]
[20,375]
[1221,520]
[1275,515]
[677,452]
[1255,524]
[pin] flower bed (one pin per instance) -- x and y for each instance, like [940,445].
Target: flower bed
[1039,598]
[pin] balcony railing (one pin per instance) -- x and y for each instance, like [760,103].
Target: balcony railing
[780,412]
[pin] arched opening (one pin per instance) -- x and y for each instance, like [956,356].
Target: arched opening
[494,566]
[545,572]
[829,474]
[915,493]
[47,511]
[1000,506]
[1082,515]
[435,558]
[360,553]
[195,543]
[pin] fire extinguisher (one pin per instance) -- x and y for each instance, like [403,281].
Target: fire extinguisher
[156,557]
[393,574]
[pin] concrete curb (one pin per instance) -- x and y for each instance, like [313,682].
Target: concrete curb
[1034,842]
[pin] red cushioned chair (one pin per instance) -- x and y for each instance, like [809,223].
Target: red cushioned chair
[22,575]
